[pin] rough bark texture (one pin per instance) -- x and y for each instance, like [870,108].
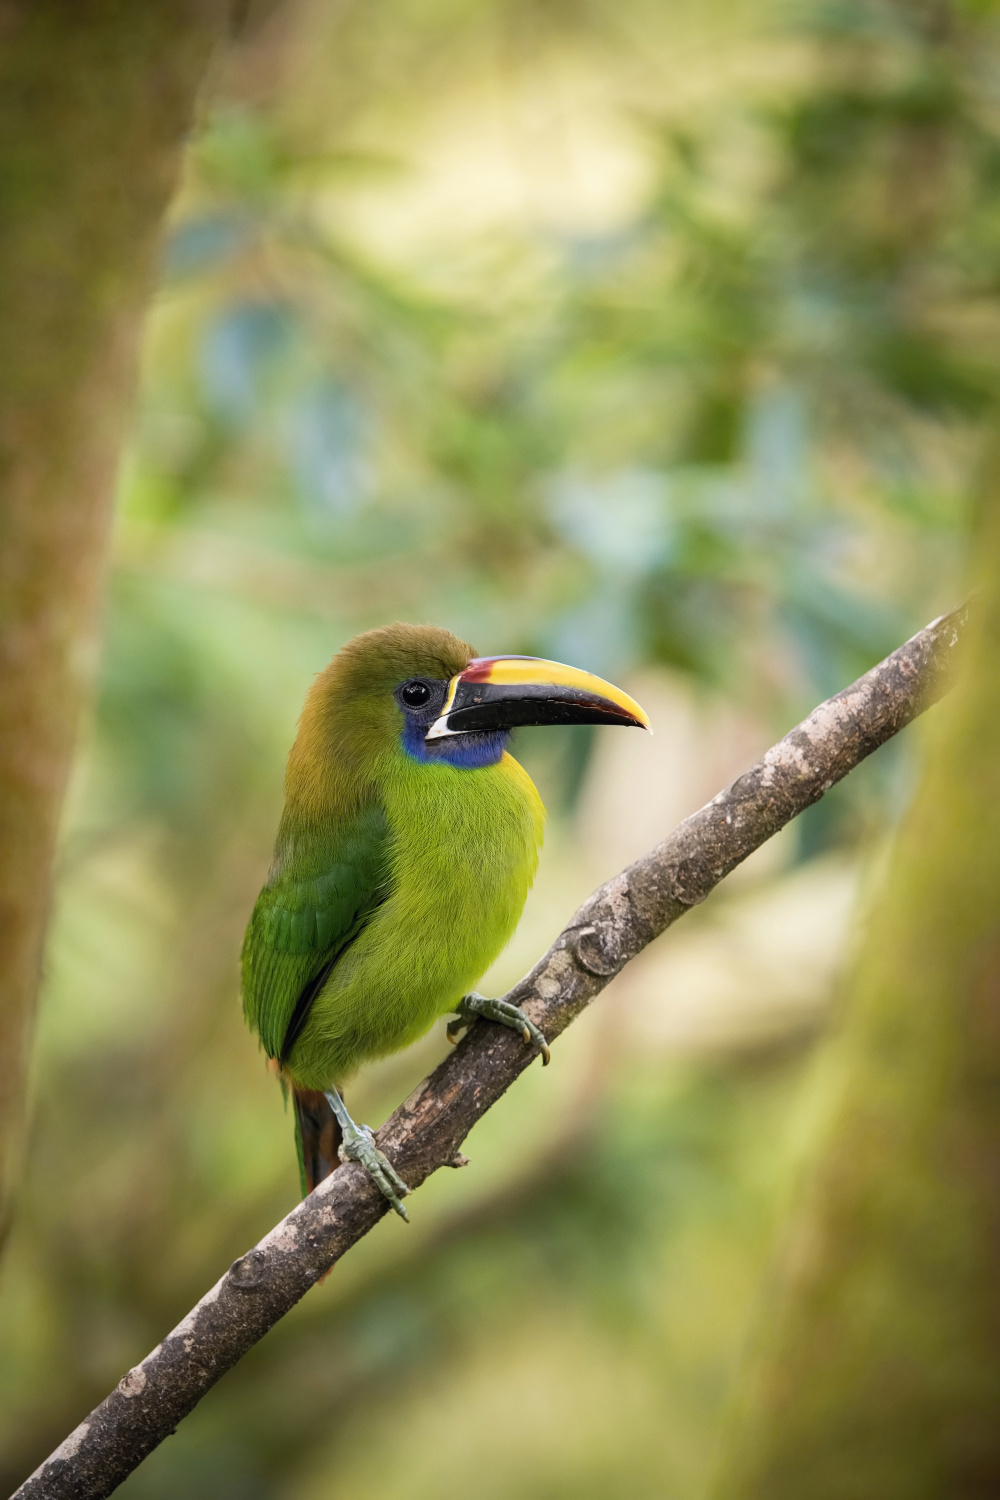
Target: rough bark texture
[426,1132]
[877,1369]
[96,99]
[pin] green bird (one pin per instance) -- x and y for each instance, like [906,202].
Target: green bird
[407,845]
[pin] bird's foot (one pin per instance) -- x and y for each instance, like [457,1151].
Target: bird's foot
[505,1014]
[362,1148]
[358,1144]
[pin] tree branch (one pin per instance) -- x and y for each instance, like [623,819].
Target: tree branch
[425,1133]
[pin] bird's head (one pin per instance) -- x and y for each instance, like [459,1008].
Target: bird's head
[422,690]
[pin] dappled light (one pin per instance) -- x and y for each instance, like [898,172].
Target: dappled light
[656,339]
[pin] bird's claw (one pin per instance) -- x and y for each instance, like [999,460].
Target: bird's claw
[505,1014]
[361,1147]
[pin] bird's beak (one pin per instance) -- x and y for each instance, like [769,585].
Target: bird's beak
[501,692]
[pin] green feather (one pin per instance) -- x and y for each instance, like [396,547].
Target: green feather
[409,876]
[321,891]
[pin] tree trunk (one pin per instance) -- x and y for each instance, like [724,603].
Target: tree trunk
[878,1366]
[96,99]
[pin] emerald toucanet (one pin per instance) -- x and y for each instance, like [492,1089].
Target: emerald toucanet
[404,855]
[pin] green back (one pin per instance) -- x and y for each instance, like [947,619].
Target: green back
[323,887]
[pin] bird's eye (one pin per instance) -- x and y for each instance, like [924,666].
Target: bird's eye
[415,694]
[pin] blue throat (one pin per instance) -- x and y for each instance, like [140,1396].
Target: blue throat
[467,751]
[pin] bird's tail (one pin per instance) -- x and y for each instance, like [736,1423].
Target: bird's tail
[317,1137]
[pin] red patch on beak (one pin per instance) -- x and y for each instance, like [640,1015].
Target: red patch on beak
[480,667]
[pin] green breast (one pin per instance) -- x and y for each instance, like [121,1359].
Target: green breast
[463,850]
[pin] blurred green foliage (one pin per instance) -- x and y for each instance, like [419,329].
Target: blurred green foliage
[730,431]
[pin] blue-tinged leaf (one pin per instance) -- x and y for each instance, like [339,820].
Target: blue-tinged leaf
[205,243]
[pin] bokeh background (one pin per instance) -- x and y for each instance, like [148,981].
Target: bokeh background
[658,336]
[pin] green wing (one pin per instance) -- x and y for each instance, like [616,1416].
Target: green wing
[315,901]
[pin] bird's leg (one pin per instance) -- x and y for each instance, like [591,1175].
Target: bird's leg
[473,1005]
[358,1144]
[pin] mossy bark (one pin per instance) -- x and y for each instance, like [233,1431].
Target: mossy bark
[96,99]
[877,1370]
